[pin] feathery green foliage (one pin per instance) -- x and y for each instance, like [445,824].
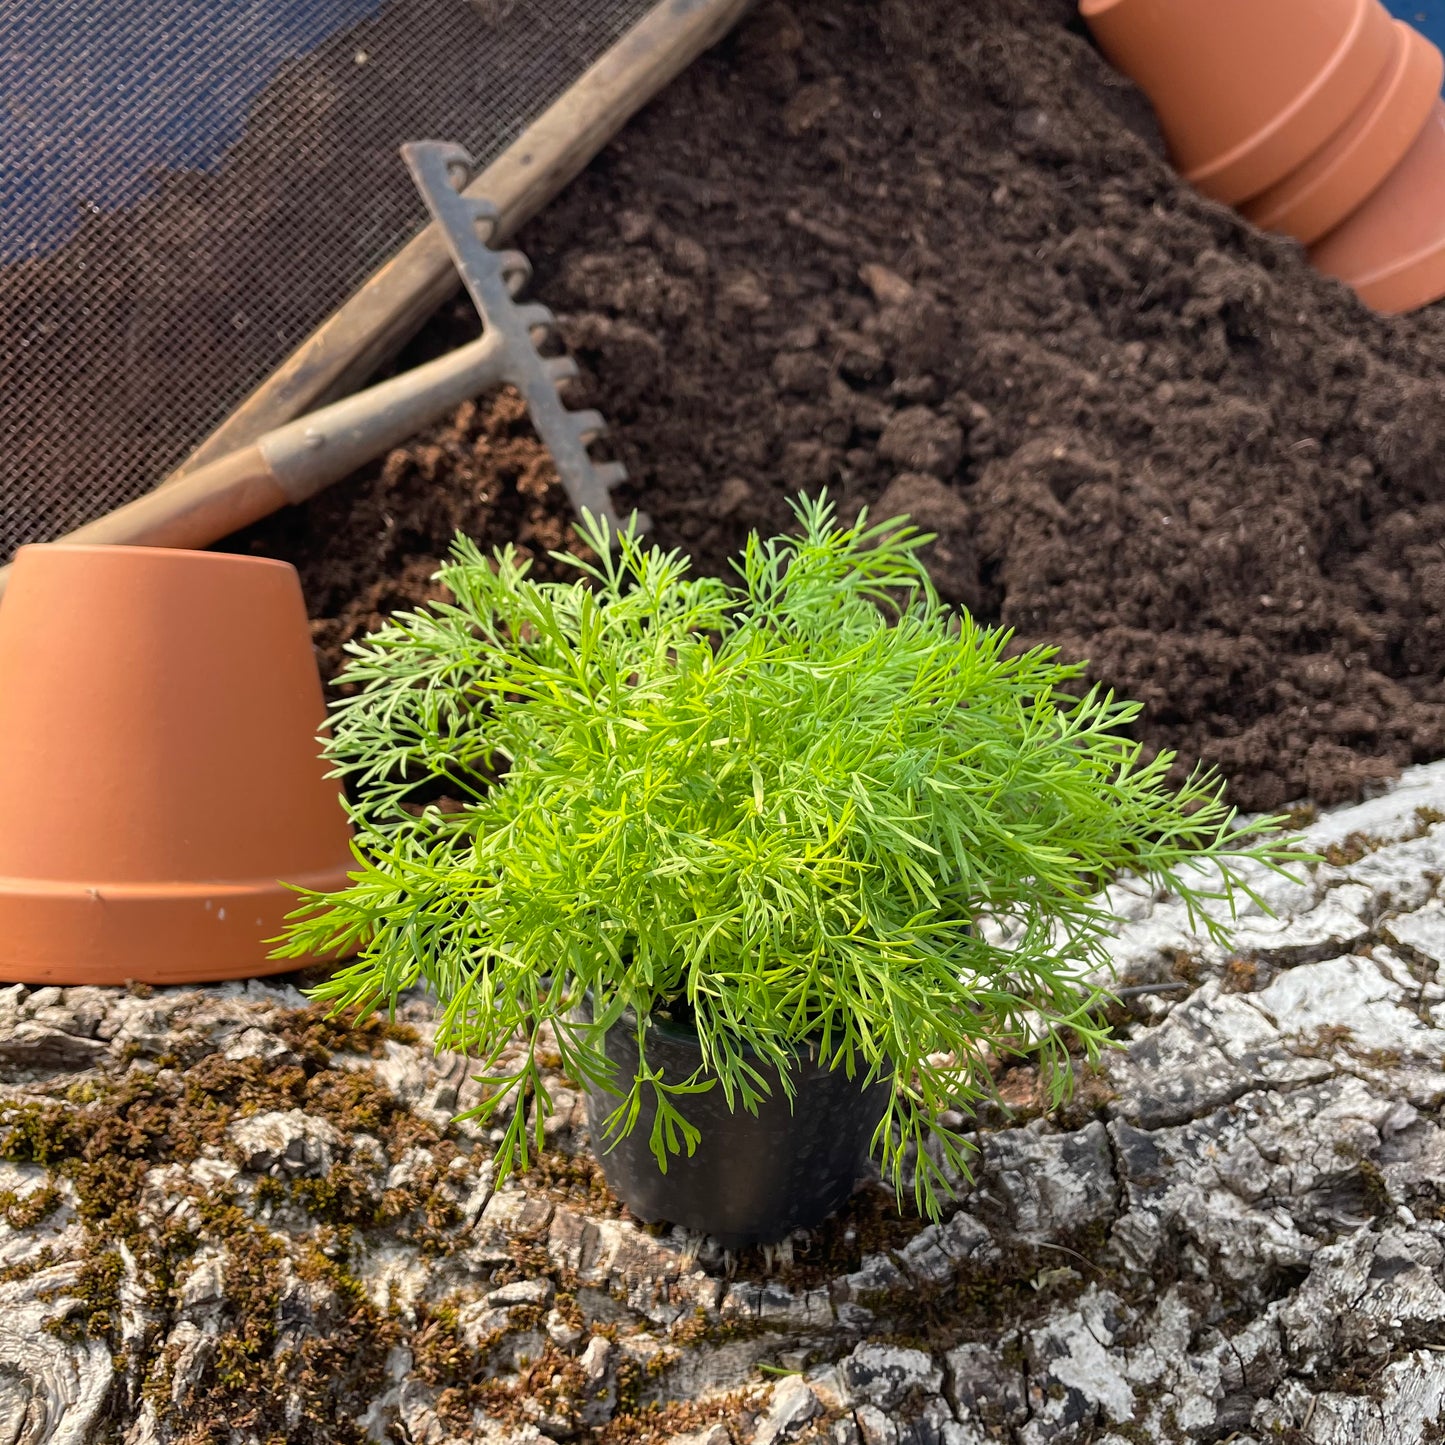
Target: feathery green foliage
[788,807]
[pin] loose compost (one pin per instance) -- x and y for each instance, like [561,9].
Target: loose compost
[933,258]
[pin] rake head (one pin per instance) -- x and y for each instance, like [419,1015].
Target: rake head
[494,280]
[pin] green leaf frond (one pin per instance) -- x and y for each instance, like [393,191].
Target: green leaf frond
[786,803]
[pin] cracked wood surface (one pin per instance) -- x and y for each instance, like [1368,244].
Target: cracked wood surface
[1236,1232]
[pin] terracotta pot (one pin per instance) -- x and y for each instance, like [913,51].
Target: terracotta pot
[1246,90]
[1392,249]
[159,769]
[1337,178]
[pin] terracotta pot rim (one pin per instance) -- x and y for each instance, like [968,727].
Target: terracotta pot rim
[1296,209]
[1200,176]
[324,880]
[1423,257]
[174,554]
[158,975]
[69,934]
[1391,251]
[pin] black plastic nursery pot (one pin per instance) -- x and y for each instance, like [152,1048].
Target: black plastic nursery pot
[754,1178]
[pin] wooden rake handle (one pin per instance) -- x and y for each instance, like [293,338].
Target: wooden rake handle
[295,461]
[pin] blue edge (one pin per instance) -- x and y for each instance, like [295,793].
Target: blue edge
[1425,15]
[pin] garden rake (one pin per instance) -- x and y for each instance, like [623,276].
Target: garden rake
[298,460]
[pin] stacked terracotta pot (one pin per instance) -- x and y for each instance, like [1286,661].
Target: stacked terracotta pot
[1318,119]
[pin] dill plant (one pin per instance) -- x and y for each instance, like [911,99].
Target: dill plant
[779,807]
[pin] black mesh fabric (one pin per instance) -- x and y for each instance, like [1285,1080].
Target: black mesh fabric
[187,191]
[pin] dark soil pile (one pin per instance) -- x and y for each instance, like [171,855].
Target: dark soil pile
[931,257]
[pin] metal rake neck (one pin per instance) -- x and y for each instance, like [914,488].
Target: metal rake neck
[492,279]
